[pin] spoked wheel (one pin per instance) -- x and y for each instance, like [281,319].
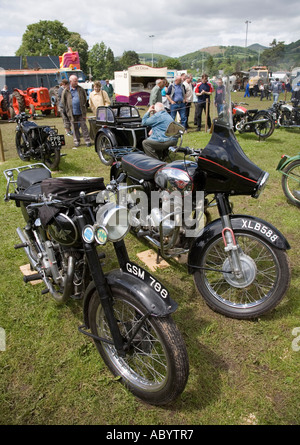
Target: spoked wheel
[52,157]
[291,182]
[155,369]
[266,127]
[104,149]
[265,278]
[22,150]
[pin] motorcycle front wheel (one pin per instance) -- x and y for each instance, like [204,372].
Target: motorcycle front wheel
[291,182]
[264,129]
[265,280]
[51,157]
[155,369]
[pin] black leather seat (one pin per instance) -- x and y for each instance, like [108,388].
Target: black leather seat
[141,166]
[32,176]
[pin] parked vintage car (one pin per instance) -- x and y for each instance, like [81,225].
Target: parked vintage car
[117,130]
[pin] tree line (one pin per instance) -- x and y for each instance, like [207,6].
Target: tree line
[53,38]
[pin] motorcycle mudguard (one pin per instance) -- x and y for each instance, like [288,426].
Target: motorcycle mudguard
[285,160]
[262,229]
[107,133]
[141,285]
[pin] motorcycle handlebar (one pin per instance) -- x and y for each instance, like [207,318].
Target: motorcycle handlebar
[23,197]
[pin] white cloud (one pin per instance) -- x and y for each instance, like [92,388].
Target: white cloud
[178,27]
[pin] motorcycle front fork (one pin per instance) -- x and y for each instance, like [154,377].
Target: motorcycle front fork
[101,285]
[230,244]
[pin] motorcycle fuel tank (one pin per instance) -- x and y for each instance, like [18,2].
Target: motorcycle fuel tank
[177,175]
[63,230]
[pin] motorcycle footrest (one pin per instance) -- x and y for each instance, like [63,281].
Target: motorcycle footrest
[33,277]
[20,246]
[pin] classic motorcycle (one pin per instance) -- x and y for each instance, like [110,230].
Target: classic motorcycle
[286,115]
[245,121]
[289,166]
[40,143]
[127,311]
[239,262]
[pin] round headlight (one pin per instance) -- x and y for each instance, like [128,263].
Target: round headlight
[114,219]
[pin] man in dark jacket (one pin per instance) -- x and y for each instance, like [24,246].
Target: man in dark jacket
[74,103]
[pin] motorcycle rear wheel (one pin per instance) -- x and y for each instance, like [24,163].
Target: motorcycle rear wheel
[155,369]
[266,277]
[265,129]
[52,157]
[102,145]
[290,182]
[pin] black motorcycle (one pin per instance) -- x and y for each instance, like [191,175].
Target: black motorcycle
[239,262]
[246,121]
[39,143]
[127,311]
[286,115]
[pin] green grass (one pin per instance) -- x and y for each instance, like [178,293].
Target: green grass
[241,372]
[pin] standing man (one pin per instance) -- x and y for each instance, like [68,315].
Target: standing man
[203,90]
[74,103]
[176,96]
[188,96]
[109,89]
[276,90]
[155,95]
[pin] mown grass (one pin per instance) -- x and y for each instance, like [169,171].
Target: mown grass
[241,372]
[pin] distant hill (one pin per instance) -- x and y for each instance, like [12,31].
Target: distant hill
[230,55]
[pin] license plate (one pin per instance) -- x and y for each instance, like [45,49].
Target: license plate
[143,275]
[57,140]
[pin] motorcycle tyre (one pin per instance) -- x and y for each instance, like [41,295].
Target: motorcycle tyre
[21,147]
[232,310]
[170,339]
[102,143]
[53,161]
[285,182]
[256,127]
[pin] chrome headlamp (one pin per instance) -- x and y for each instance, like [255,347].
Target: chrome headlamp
[114,219]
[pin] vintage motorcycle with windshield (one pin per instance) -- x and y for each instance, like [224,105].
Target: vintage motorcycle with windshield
[239,262]
[126,311]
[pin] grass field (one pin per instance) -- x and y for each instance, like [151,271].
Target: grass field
[241,372]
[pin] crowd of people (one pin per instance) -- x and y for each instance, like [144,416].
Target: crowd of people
[167,103]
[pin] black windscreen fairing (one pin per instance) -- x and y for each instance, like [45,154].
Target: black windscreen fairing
[227,168]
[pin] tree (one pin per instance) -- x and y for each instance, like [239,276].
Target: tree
[173,64]
[97,60]
[109,64]
[77,43]
[273,56]
[44,38]
[129,58]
